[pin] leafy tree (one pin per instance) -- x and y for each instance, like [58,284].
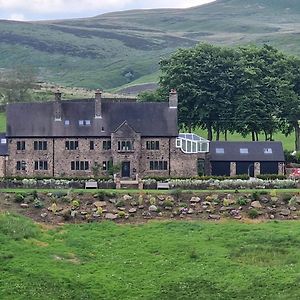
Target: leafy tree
[206,78]
[265,80]
[16,83]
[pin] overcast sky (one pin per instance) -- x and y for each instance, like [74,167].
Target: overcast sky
[60,9]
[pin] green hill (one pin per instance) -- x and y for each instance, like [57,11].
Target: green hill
[114,49]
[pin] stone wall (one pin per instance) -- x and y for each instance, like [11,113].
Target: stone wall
[185,165]
[59,158]
[29,156]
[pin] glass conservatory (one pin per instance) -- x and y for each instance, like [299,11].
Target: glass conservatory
[192,143]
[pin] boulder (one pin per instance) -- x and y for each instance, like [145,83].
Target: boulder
[215,217]
[256,204]
[285,212]
[152,208]
[132,210]
[127,197]
[190,211]
[110,216]
[99,203]
[195,200]
[24,205]
[44,215]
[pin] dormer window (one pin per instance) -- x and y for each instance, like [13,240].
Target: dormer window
[67,122]
[268,151]
[84,122]
[3,141]
[243,150]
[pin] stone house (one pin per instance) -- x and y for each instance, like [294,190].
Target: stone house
[90,137]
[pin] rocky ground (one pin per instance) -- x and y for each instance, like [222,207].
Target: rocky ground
[60,207]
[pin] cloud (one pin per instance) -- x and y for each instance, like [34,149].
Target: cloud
[36,8]
[17,17]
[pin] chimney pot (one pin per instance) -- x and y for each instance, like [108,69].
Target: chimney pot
[173,99]
[57,95]
[98,104]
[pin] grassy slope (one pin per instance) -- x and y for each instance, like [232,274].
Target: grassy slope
[100,51]
[172,260]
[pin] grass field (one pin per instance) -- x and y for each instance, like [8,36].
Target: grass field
[287,141]
[170,260]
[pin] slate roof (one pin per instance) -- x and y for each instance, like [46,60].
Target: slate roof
[37,119]
[257,151]
[3,146]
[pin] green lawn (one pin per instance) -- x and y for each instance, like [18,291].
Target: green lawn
[2,122]
[158,260]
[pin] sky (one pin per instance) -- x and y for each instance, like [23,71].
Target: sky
[29,10]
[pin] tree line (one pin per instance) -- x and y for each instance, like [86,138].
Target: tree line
[248,90]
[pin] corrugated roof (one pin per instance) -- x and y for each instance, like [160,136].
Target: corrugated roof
[246,151]
[37,119]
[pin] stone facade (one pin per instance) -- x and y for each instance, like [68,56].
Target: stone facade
[92,157]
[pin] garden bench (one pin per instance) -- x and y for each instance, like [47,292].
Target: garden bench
[91,185]
[163,185]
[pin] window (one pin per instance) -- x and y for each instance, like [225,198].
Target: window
[92,145]
[20,145]
[219,150]
[106,165]
[125,145]
[41,165]
[3,141]
[71,145]
[80,165]
[268,151]
[158,165]
[243,150]
[40,145]
[21,165]
[84,122]
[67,122]
[152,145]
[106,145]
[192,143]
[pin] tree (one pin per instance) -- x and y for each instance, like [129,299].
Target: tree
[206,78]
[265,78]
[16,83]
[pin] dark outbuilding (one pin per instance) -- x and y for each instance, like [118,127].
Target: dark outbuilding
[250,158]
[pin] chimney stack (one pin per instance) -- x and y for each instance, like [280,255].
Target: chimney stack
[57,106]
[173,99]
[98,105]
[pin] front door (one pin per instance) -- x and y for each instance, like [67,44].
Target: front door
[125,169]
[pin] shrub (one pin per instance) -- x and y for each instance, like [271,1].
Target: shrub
[168,203]
[152,201]
[255,195]
[38,203]
[242,201]
[177,193]
[253,213]
[19,198]
[121,214]
[76,203]
[59,194]
[120,203]
[286,198]
[34,194]
[273,193]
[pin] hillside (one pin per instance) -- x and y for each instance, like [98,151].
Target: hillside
[114,49]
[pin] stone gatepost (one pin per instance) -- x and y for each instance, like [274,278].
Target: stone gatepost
[280,168]
[256,169]
[232,168]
